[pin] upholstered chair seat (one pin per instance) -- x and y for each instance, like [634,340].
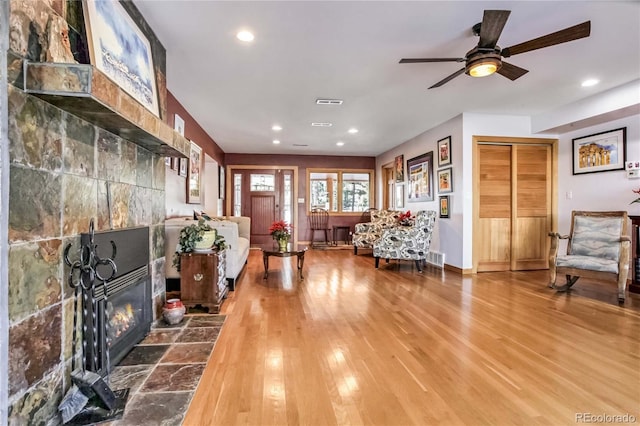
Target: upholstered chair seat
[406,242]
[597,248]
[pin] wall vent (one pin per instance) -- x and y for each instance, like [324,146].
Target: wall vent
[435,258]
[329,101]
[321,124]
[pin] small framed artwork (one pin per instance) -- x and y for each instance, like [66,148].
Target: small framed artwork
[399,162]
[444,207]
[444,151]
[193,175]
[175,163]
[167,161]
[178,124]
[601,152]
[182,168]
[399,195]
[420,171]
[221,182]
[445,180]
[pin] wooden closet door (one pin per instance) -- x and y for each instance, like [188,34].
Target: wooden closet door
[494,223]
[532,207]
[514,185]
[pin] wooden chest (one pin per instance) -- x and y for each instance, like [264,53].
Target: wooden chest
[202,280]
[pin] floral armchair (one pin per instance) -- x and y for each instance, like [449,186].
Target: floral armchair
[407,242]
[367,233]
[598,248]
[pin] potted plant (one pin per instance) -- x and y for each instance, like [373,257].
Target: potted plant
[197,236]
[281,232]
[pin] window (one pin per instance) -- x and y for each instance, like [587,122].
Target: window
[340,191]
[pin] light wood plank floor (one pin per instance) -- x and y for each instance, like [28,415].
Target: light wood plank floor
[355,345]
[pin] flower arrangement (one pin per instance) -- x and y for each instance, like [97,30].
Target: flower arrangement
[280,230]
[637,200]
[406,219]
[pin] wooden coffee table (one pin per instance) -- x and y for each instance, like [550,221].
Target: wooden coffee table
[292,250]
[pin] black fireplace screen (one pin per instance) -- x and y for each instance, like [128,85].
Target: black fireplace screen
[128,299]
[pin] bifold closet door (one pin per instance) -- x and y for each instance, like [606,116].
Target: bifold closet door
[514,186]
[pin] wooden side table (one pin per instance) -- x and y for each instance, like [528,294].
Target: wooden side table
[634,286]
[346,232]
[202,280]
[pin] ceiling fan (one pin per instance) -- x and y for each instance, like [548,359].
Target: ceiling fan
[485,58]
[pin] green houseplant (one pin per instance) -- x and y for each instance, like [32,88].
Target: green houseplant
[192,235]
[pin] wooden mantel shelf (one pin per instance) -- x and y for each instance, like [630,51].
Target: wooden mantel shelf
[86,92]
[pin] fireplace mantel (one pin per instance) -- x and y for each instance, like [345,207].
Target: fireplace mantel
[86,92]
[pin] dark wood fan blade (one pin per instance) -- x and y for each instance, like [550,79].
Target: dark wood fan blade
[447,79]
[417,60]
[511,71]
[568,34]
[493,22]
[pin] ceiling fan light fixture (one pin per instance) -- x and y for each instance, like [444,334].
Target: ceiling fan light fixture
[484,68]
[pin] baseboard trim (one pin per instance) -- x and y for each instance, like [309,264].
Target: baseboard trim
[460,271]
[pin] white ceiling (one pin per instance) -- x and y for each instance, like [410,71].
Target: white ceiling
[350,50]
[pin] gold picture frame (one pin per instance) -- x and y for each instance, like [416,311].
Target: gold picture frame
[194,175]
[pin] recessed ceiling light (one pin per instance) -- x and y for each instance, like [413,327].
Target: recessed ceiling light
[340,143]
[245,36]
[276,141]
[276,127]
[590,82]
[353,130]
[329,101]
[321,124]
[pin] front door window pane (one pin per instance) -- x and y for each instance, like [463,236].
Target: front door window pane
[262,182]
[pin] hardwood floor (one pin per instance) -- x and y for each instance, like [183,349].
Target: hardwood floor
[355,345]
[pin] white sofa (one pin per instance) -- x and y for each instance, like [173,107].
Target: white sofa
[236,231]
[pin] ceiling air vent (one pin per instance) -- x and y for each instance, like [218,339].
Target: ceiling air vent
[300,144]
[321,124]
[329,101]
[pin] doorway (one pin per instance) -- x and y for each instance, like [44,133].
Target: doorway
[264,194]
[515,207]
[388,189]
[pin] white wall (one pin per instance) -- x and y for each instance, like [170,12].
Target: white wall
[176,191]
[447,234]
[596,191]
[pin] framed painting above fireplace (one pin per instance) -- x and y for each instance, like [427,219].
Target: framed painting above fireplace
[120,50]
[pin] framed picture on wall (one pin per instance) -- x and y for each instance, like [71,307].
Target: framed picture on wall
[399,169]
[120,50]
[445,207]
[167,161]
[399,195]
[445,180]
[194,175]
[175,163]
[444,151]
[601,152]
[420,172]
[178,124]
[221,182]
[182,167]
